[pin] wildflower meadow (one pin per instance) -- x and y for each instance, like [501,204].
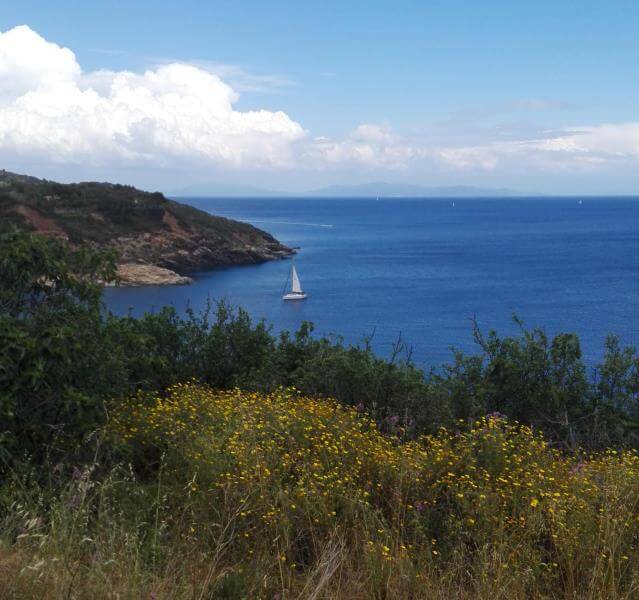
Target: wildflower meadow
[201,456]
[245,495]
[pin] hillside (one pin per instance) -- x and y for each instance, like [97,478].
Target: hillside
[159,241]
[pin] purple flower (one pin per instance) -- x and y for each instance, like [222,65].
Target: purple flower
[496,415]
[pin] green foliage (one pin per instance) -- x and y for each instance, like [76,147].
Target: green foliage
[549,374]
[52,371]
[64,361]
[40,276]
[101,212]
[492,512]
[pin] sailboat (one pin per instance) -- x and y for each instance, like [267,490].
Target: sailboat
[296,292]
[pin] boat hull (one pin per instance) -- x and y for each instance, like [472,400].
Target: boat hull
[294,296]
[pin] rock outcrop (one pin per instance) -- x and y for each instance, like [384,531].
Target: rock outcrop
[134,274]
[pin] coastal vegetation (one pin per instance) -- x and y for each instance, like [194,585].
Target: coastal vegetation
[203,456]
[156,240]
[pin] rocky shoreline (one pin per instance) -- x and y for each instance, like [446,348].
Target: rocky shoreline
[137,275]
[167,258]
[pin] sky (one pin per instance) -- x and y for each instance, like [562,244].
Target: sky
[537,96]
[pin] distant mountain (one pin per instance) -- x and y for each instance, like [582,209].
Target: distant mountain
[363,190]
[402,190]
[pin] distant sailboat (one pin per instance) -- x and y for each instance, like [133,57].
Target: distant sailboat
[296,292]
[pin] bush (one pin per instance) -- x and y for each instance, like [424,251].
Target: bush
[65,362]
[52,368]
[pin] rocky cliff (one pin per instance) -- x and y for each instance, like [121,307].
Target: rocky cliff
[158,240]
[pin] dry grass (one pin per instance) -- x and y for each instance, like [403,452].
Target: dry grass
[238,495]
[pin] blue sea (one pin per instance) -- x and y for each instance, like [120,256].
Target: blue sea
[424,268]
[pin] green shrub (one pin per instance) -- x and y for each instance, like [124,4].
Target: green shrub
[65,361]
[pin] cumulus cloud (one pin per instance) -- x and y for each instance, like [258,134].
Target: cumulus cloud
[28,63]
[174,113]
[369,145]
[378,146]
[185,114]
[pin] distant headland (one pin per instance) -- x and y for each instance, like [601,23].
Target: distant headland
[159,241]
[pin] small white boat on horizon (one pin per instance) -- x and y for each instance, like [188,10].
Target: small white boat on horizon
[296,292]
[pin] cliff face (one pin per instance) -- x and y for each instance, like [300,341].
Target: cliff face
[158,240]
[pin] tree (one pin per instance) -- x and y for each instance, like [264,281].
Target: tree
[51,360]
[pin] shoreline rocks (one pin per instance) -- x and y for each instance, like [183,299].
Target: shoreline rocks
[135,275]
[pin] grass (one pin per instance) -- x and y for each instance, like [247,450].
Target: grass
[243,495]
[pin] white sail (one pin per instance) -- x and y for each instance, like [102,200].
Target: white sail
[296,288]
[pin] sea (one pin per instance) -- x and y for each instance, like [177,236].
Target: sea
[422,270]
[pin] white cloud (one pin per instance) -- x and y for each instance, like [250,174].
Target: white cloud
[174,113]
[486,158]
[378,146]
[574,149]
[607,141]
[369,145]
[184,114]
[28,62]
[240,79]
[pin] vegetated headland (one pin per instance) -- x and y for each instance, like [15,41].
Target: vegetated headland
[200,456]
[157,240]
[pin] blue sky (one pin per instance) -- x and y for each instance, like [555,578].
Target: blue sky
[540,96]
